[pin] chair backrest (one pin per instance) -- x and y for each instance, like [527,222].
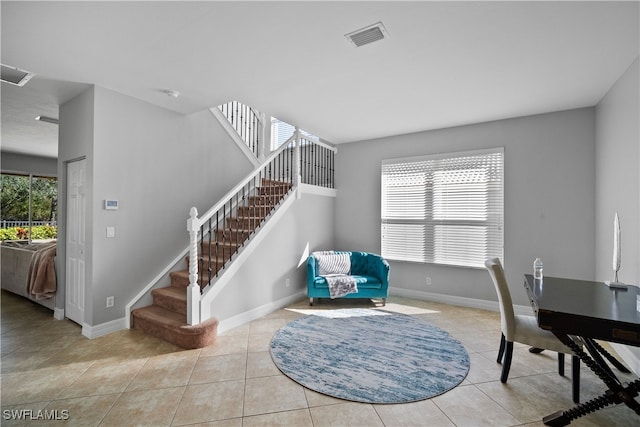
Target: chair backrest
[507,317]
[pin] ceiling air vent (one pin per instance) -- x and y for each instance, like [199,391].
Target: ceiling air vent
[367,35]
[15,76]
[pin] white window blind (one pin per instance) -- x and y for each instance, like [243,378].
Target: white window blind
[444,209]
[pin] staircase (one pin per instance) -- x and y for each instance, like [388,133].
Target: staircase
[166,318]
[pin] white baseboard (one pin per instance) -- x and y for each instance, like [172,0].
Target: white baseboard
[58,313]
[103,328]
[459,301]
[258,312]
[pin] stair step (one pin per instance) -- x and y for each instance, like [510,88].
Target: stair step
[180,279]
[273,190]
[243,221]
[236,235]
[172,298]
[264,200]
[227,246]
[173,327]
[266,182]
[254,211]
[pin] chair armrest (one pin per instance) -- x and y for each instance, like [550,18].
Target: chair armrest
[383,269]
[311,270]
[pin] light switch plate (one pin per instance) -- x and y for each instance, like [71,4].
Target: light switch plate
[111,232]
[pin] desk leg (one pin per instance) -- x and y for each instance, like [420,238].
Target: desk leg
[615,362]
[617,393]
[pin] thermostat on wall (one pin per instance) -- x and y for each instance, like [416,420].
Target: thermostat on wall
[111,204]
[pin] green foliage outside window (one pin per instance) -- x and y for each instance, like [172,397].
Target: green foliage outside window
[14,206]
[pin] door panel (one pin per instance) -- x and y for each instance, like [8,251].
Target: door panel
[75,241]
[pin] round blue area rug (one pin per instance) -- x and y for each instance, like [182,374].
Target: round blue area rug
[369,356]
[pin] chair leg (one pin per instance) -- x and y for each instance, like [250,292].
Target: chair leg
[561,364]
[501,349]
[310,301]
[575,378]
[506,365]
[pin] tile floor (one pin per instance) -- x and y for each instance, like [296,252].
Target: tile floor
[128,378]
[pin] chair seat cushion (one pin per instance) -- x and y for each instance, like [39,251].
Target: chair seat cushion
[528,332]
[363,282]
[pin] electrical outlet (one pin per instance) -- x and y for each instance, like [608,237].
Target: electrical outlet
[428,281]
[110,302]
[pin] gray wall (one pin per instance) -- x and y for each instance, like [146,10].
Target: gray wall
[549,199]
[158,164]
[307,226]
[37,165]
[618,177]
[618,181]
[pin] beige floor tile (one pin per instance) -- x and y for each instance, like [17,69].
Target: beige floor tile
[297,418]
[260,342]
[468,406]
[162,372]
[528,397]
[483,368]
[318,399]
[418,414]
[345,414]
[37,385]
[84,411]
[24,414]
[267,326]
[231,422]
[260,364]
[104,379]
[210,402]
[219,368]
[147,407]
[227,344]
[272,394]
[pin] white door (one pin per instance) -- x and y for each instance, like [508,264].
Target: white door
[75,241]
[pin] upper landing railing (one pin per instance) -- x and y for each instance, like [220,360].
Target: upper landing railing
[248,123]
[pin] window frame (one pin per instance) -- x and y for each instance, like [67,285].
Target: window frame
[408,225]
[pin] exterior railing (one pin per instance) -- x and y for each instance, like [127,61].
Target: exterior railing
[224,229]
[5,223]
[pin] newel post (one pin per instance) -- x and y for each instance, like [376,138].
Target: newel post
[193,291]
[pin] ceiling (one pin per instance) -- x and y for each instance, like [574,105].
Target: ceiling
[443,64]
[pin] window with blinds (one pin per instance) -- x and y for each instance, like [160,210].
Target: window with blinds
[444,209]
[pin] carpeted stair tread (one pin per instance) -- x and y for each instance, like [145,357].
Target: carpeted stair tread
[172,298]
[180,279]
[172,327]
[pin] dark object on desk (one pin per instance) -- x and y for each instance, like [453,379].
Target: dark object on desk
[590,310]
[523,329]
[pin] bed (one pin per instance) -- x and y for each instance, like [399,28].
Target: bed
[28,269]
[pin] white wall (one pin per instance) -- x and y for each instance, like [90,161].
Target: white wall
[549,199]
[158,164]
[618,184]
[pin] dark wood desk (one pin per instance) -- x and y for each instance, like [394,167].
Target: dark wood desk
[589,310]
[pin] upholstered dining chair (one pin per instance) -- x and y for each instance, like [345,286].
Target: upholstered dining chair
[524,329]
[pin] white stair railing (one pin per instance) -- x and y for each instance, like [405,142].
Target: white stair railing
[299,160]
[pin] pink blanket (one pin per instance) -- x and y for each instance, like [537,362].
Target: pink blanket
[41,278]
